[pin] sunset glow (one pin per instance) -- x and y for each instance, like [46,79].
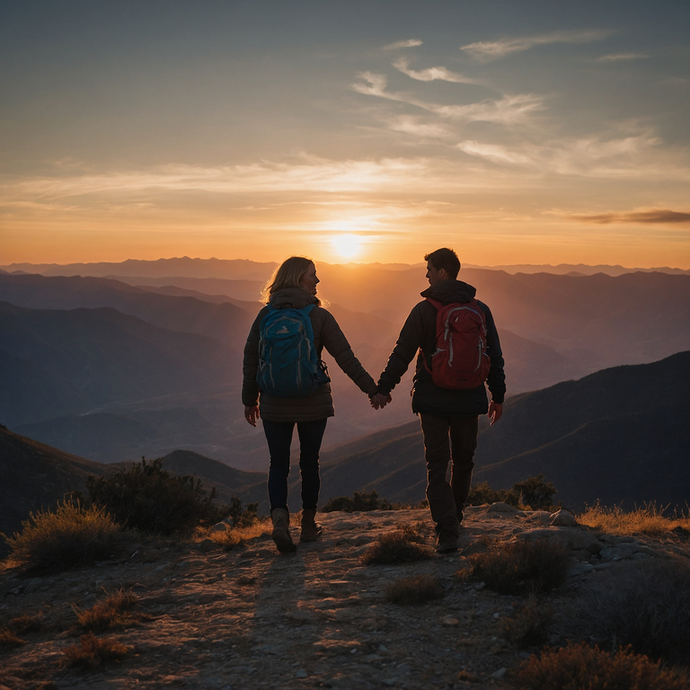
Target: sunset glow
[533,134]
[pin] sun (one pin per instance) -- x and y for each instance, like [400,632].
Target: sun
[347,245]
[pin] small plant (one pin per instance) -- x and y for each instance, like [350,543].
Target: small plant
[51,541]
[8,638]
[242,517]
[529,626]
[148,498]
[237,536]
[24,624]
[359,501]
[399,546]
[418,589]
[92,651]
[581,667]
[646,607]
[483,493]
[520,567]
[115,611]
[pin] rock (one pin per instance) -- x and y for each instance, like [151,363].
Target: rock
[501,507]
[563,518]
[220,527]
[208,545]
[616,553]
[499,674]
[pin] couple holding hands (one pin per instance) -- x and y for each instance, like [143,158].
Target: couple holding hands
[289,334]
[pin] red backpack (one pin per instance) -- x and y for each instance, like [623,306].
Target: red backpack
[460,361]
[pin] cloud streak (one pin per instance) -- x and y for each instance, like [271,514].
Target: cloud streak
[431,73]
[657,216]
[485,51]
[411,43]
[621,57]
[507,110]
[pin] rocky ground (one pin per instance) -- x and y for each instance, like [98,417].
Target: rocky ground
[253,618]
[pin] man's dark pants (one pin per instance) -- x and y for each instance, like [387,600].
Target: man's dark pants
[448,439]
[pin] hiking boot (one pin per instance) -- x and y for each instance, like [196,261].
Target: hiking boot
[446,543]
[281,531]
[310,530]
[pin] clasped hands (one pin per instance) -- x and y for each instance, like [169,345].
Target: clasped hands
[380,400]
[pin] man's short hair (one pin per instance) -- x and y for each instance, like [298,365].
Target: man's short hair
[445,258]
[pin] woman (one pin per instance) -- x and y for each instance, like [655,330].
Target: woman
[293,286]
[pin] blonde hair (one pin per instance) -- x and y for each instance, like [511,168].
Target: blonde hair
[287,275]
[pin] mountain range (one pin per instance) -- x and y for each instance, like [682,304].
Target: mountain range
[618,436]
[113,371]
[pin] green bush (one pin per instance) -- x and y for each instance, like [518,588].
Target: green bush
[360,501]
[68,536]
[581,667]
[148,498]
[520,567]
[242,517]
[534,493]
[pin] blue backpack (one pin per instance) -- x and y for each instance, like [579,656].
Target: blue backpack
[288,364]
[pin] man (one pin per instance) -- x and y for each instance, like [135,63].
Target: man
[449,418]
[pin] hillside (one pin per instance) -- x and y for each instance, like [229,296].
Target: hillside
[618,435]
[98,357]
[34,476]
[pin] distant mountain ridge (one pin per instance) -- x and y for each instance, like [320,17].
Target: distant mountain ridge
[618,435]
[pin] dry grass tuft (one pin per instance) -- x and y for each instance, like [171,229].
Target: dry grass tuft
[581,667]
[92,651]
[520,568]
[646,607]
[10,639]
[529,627]
[115,611]
[399,546]
[52,541]
[238,536]
[418,589]
[649,520]
[24,624]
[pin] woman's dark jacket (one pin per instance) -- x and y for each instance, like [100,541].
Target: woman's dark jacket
[418,336]
[327,334]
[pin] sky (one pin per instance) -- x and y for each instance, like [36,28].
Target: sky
[514,132]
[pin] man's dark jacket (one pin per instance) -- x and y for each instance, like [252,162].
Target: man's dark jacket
[418,335]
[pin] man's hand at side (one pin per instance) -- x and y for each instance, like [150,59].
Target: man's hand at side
[251,413]
[495,412]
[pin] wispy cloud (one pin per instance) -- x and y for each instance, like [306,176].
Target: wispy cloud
[431,73]
[507,110]
[485,51]
[411,43]
[620,57]
[425,130]
[657,216]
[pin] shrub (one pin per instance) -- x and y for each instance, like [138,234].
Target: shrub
[581,667]
[399,546]
[529,626]
[417,589]
[115,611]
[93,651]
[148,498]
[646,607]
[533,493]
[521,567]
[52,541]
[360,501]
[242,517]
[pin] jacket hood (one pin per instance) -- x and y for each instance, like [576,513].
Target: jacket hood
[450,291]
[292,297]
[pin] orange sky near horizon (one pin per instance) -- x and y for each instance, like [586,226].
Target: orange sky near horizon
[513,133]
